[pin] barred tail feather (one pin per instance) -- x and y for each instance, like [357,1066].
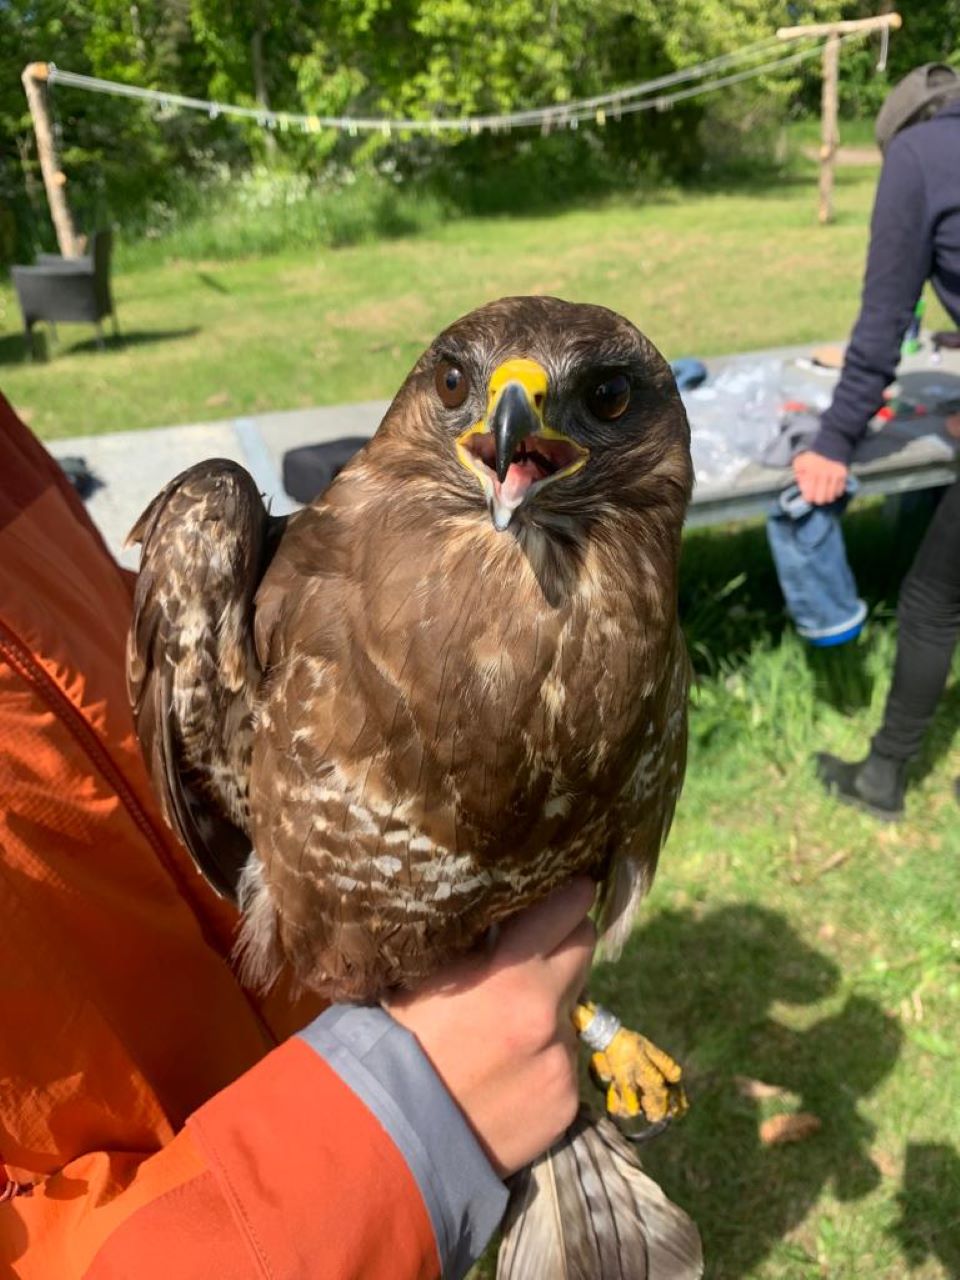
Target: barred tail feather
[586,1211]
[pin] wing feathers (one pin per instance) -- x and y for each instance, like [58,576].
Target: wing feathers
[192,674]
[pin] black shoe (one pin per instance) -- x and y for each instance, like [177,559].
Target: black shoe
[875,785]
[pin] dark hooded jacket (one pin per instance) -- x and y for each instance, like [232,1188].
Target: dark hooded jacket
[914,237]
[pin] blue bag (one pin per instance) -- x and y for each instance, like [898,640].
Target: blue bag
[689,372]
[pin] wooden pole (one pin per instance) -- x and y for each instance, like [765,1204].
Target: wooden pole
[829,134]
[892,20]
[54,179]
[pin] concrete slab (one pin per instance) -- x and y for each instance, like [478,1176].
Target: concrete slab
[289,430]
[133,466]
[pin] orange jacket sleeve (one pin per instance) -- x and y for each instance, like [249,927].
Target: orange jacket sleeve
[282,1174]
[156,1119]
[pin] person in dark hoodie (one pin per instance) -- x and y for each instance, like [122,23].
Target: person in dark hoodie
[914,237]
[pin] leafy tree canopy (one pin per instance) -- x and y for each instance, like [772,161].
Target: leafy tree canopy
[416,58]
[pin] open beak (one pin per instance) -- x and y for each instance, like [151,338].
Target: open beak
[512,452]
[514,418]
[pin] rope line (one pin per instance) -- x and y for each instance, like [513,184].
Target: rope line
[600,108]
[661,103]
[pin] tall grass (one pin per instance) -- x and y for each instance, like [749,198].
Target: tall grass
[266,212]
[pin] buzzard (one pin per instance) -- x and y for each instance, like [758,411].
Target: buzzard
[453,681]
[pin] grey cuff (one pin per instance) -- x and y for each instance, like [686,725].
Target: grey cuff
[388,1071]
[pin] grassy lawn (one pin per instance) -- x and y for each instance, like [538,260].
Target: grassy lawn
[701,274]
[796,942]
[787,940]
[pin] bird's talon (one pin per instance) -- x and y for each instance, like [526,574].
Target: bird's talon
[622,1102]
[647,1132]
[640,1079]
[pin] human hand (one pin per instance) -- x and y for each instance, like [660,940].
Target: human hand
[952,425]
[498,1027]
[820,479]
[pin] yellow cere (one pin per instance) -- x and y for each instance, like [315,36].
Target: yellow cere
[531,376]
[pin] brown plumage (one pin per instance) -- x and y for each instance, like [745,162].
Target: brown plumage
[434,694]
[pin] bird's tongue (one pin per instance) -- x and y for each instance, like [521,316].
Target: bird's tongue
[520,476]
[508,494]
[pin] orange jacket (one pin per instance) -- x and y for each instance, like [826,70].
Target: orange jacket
[155,1118]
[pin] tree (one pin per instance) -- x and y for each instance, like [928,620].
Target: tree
[416,58]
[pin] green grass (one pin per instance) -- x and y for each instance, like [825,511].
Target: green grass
[700,272]
[794,941]
[787,939]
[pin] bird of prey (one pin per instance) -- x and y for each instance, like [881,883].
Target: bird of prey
[453,681]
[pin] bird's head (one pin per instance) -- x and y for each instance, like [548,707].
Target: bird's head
[543,411]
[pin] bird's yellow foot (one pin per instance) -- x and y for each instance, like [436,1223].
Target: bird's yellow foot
[639,1077]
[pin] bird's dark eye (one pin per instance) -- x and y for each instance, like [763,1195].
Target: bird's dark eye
[609,399]
[452,384]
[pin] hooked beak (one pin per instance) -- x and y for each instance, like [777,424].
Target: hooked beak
[512,452]
[514,417]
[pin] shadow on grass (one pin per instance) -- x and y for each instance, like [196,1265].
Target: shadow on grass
[135,338]
[538,201]
[14,348]
[840,677]
[210,282]
[930,1207]
[704,986]
[44,348]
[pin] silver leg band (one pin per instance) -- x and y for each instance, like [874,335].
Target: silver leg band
[601,1029]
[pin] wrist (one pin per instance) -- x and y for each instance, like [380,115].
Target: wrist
[384,1064]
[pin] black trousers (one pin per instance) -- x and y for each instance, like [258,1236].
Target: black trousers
[928,614]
